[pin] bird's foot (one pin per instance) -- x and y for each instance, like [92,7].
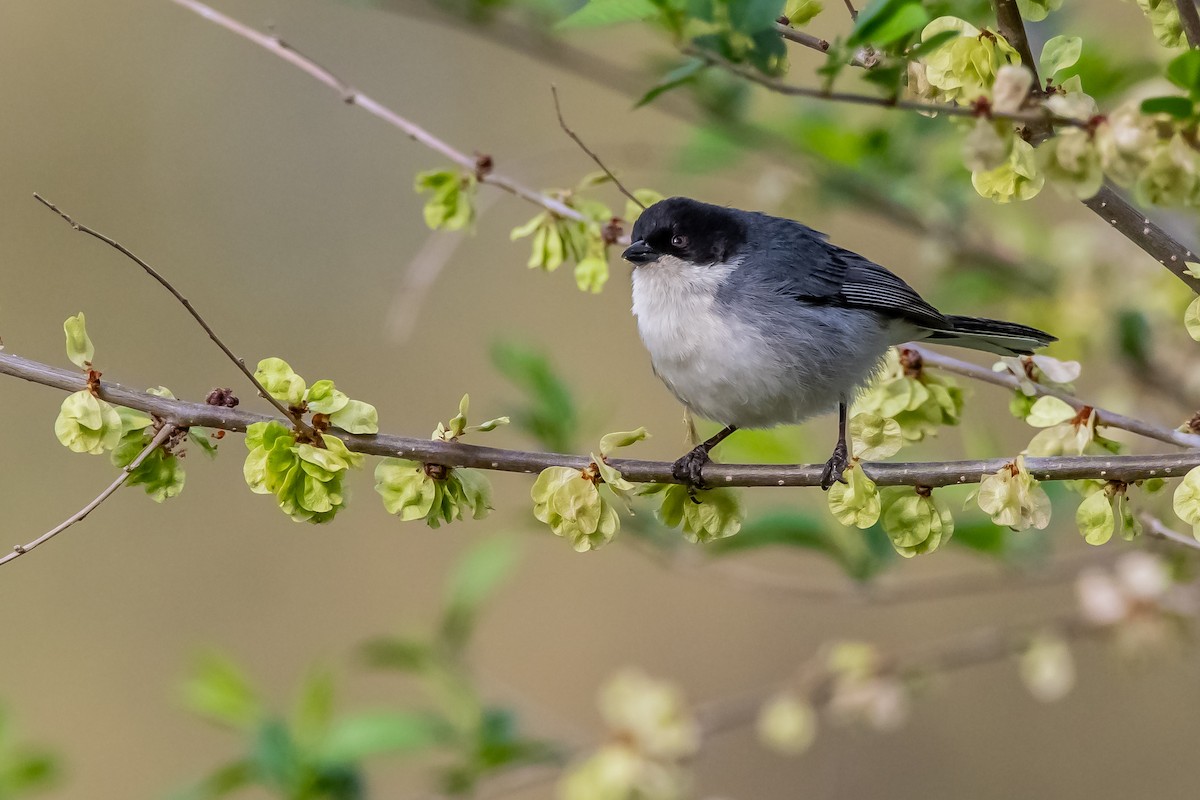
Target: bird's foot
[688,470]
[835,466]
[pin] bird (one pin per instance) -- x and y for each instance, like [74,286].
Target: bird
[754,321]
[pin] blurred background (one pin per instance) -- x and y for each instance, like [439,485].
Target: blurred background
[273,206]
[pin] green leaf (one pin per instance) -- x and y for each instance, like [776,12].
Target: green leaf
[1095,518]
[684,73]
[801,12]
[1184,71]
[612,441]
[1037,10]
[1191,319]
[221,782]
[405,655]
[354,738]
[314,706]
[903,20]
[550,415]
[87,424]
[280,381]
[753,16]
[478,573]
[1177,107]
[324,398]
[356,417]
[931,44]
[1059,53]
[609,12]
[79,344]
[219,691]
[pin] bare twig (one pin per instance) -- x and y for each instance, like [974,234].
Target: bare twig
[1156,528]
[1137,228]
[1043,116]
[295,418]
[457,454]
[802,38]
[1190,20]
[562,123]
[1103,416]
[163,434]
[853,11]
[352,96]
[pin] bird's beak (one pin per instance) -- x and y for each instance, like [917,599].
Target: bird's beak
[639,253]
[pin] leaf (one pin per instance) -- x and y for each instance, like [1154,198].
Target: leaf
[608,12]
[1184,71]
[79,345]
[754,16]
[550,416]
[219,691]
[1191,319]
[931,44]
[314,706]
[612,441]
[478,573]
[905,21]
[354,738]
[404,655]
[682,74]
[1048,411]
[356,417]
[1175,106]
[1059,53]
[1095,518]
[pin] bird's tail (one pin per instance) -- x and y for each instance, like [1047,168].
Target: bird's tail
[991,336]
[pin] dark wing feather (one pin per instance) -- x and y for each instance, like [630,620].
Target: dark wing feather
[825,273]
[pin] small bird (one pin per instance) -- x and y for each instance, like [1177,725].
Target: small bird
[754,321]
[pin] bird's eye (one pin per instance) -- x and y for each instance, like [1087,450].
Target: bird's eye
[679,241]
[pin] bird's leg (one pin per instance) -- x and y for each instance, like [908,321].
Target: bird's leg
[837,462]
[688,469]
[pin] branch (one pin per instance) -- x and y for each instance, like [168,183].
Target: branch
[1104,417]
[853,11]
[1108,203]
[455,454]
[562,123]
[163,434]
[1190,20]
[1012,28]
[1155,527]
[802,38]
[1043,116]
[295,419]
[480,165]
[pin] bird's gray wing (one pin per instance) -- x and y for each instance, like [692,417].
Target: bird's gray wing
[823,273]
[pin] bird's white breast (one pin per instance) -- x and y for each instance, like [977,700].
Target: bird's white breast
[720,367]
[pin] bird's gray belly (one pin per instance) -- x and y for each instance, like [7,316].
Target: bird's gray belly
[762,372]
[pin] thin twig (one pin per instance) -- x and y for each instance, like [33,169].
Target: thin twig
[562,123]
[294,417]
[163,434]
[802,38]
[1156,528]
[1105,417]
[853,11]
[456,454]
[351,96]
[780,87]
[1190,20]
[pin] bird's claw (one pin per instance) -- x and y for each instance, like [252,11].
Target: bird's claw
[689,471]
[835,466]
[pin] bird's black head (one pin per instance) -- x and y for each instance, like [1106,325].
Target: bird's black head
[694,232]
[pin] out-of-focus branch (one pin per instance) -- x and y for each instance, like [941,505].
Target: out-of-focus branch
[1105,417]
[455,454]
[480,165]
[164,433]
[1012,28]
[1190,19]
[1156,528]
[295,418]
[1043,116]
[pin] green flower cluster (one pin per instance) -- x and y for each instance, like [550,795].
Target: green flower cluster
[1164,21]
[160,472]
[85,423]
[1013,498]
[855,502]
[918,401]
[1106,511]
[306,478]
[570,502]
[451,205]
[653,732]
[965,68]
[556,240]
[323,398]
[714,514]
[1186,500]
[915,520]
[434,493]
